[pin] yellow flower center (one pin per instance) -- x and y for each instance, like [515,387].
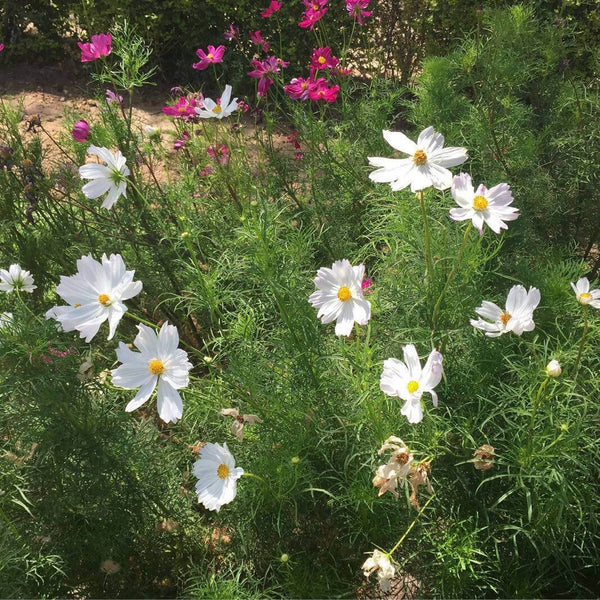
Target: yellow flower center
[321,60]
[104,299]
[223,471]
[479,203]
[182,109]
[412,386]
[584,297]
[76,305]
[217,109]
[505,317]
[156,367]
[344,293]
[419,158]
[210,55]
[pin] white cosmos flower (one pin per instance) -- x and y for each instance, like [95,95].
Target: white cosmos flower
[583,293]
[95,294]
[380,562]
[489,206]
[109,178]
[158,362]
[213,110]
[409,381]
[517,317]
[16,279]
[217,476]
[426,165]
[339,296]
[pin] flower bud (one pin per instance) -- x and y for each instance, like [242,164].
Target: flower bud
[553,368]
[81,131]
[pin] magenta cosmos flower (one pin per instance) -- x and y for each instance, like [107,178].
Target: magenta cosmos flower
[101,45]
[264,70]
[1,47]
[257,38]
[232,32]
[272,8]
[212,56]
[81,131]
[323,59]
[356,9]
[315,10]
[320,90]
[297,88]
[184,108]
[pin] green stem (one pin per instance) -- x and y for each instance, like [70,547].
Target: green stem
[582,342]
[428,261]
[536,404]
[438,304]
[399,542]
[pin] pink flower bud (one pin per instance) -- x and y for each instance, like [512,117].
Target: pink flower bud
[81,131]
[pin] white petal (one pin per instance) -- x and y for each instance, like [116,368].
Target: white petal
[142,396]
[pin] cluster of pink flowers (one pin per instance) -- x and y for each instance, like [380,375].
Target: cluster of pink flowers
[184,108]
[315,10]
[101,45]
[356,9]
[180,143]
[313,89]
[211,56]
[272,8]
[264,71]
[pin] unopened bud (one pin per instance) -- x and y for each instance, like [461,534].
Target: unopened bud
[553,369]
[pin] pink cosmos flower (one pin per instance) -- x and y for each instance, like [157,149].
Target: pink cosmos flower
[101,45]
[297,88]
[232,33]
[243,106]
[257,38]
[182,141]
[315,9]
[320,90]
[183,108]
[1,47]
[272,8]
[206,171]
[212,56]
[263,71]
[111,98]
[366,285]
[356,9]
[293,139]
[219,153]
[81,131]
[323,59]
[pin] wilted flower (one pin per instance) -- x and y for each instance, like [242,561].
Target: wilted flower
[95,294]
[111,178]
[583,293]
[239,421]
[518,316]
[388,476]
[217,476]
[110,567]
[81,131]
[158,362]
[98,47]
[264,71]
[380,562]
[220,109]
[489,206]
[409,381]
[553,368]
[211,56]
[484,457]
[419,475]
[339,296]
[426,165]
[219,153]
[17,279]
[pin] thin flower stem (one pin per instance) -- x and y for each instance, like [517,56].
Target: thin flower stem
[357,330]
[399,542]
[536,404]
[582,342]
[438,304]
[428,261]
